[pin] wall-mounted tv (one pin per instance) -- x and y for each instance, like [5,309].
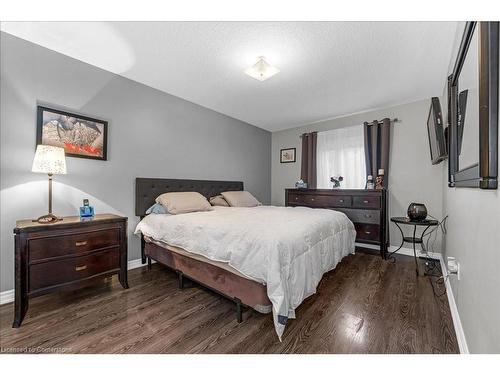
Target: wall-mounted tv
[462,106]
[435,130]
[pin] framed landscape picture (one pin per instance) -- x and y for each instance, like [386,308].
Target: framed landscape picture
[81,136]
[287,155]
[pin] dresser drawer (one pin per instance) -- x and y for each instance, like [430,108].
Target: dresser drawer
[371,201]
[73,244]
[295,199]
[367,232]
[362,216]
[53,273]
[326,201]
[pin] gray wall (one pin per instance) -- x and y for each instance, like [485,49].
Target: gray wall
[151,134]
[412,176]
[473,238]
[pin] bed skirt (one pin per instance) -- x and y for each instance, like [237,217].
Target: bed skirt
[233,286]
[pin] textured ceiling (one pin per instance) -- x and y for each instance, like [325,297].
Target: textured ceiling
[328,69]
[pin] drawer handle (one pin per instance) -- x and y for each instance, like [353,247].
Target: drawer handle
[367,232]
[341,200]
[296,198]
[80,268]
[80,243]
[368,216]
[365,201]
[312,199]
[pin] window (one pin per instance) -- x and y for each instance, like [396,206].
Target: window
[341,152]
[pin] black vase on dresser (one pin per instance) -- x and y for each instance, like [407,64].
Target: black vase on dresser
[367,209]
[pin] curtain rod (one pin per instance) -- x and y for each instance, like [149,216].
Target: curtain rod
[381,121]
[369,124]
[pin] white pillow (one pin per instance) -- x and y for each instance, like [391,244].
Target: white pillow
[184,202]
[240,199]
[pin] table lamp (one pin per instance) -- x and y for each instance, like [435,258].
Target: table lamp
[50,160]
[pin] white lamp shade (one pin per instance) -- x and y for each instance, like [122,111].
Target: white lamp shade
[261,70]
[49,159]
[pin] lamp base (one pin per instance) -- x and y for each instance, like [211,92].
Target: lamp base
[48,219]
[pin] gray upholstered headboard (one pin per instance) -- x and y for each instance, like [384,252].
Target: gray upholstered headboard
[147,189]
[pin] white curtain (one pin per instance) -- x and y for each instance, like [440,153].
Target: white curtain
[341,152]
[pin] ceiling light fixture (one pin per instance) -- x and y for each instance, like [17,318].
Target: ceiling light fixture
[261,70]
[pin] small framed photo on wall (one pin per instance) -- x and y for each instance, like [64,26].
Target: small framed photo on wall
[287,155]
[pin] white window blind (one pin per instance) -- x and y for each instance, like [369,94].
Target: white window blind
[341,152]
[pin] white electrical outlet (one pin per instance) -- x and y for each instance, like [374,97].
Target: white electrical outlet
[453,267]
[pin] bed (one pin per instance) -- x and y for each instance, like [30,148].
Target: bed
[267,258]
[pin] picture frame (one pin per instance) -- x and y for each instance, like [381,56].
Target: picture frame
[484,173]
[80,136]
[288,155]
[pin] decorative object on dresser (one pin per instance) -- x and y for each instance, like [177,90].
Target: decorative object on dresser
[369,182]
[81,136]
[49,160]
[336,180]
[379,181]
[367,209]
[66,255]
[301,184]
[287,155]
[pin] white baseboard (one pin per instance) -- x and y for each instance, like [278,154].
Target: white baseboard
[403,251]
[8,295]
[457,323]
[136,263]
[409,251]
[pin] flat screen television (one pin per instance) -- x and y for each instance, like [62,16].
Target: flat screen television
[435,129]
[462,106]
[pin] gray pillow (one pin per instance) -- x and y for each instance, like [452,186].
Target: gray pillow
[156,209]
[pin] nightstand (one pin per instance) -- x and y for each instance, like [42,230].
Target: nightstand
[66,255]
[413,239]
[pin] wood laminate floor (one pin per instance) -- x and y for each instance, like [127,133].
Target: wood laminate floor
[365,305]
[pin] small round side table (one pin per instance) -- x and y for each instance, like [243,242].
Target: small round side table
[414,239]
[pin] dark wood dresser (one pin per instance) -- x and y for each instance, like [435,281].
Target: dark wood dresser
[66,255]
[367,209]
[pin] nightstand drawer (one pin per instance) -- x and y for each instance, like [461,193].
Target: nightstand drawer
[56,272]
[73,244]
[367,232]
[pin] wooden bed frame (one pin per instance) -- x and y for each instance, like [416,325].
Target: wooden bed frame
[244,292]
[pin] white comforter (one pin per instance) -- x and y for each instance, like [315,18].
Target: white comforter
[287,248]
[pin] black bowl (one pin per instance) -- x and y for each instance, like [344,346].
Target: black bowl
[417,211]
